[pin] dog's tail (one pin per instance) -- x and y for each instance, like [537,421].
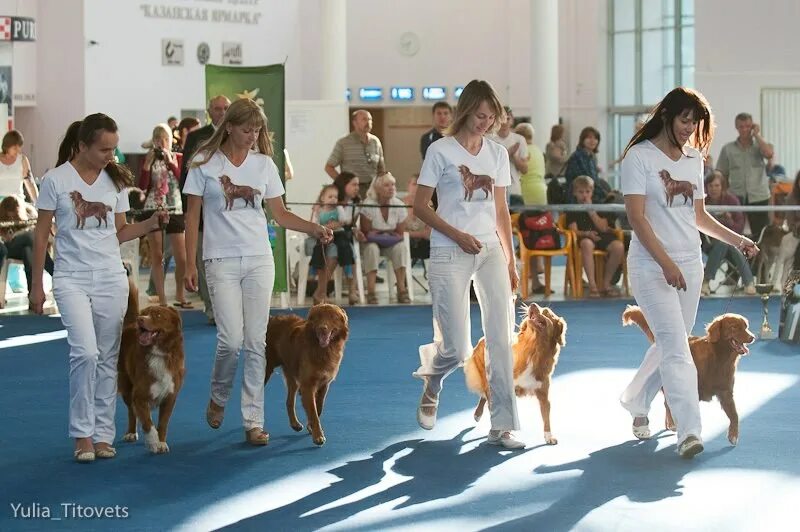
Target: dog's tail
[133,303]
[633,316]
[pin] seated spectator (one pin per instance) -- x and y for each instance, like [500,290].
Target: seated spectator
[17,242]
[789,243]
[717,194]
[383,220]
[418,232]
[583,162]
[338,252]
[593,231]
[534,190]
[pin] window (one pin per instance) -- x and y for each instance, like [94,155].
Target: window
[652,51]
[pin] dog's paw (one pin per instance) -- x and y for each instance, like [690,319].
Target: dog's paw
[296,427]
[151,442]
[733,437]
[319,440]
[130,437]
[550,439]
[161,448]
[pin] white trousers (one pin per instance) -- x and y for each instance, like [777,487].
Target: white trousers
[449,275]
[92,305]
[241,291]
[668,362]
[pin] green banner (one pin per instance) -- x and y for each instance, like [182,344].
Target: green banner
[265,85]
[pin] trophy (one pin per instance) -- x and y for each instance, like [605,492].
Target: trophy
[766,331]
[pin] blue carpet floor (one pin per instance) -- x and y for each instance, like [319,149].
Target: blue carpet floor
[379,471]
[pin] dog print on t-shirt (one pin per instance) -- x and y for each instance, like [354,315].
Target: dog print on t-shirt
[475,183]
[674,188]
[89,209]
[232,191]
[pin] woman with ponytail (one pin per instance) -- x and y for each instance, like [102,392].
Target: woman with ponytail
[87,194]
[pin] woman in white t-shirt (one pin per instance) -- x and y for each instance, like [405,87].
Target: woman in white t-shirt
[662,179]
[87,193]
[383,224]
[470,240]
[230,177]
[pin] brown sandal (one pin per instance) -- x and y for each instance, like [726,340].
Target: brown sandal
[214,414]
[256,436]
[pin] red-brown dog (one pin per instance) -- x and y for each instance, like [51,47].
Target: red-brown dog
[715,356]
[151,369]
[310,352]
[539,341]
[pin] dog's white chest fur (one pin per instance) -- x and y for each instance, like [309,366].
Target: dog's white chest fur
[527,381]
[163,385]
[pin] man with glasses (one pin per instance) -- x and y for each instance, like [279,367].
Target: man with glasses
[360,152]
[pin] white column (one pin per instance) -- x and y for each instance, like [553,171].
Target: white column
[334,50]
[544,68]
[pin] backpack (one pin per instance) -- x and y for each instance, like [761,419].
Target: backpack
[538,230]
[556,193]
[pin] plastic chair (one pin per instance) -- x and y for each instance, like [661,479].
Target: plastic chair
[566,250]
[600,265]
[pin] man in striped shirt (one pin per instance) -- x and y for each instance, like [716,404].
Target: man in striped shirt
[360,152]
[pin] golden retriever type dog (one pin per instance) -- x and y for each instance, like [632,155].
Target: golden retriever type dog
[539,341]
[89,209]
[474,182]
[232,191]
[151,369]
[715,356]
[677,188]
[310,352]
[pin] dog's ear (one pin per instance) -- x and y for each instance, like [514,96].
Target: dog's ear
[561,327]
[714,330]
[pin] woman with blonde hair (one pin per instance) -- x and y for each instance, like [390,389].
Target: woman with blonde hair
[159,181]
[383,223]
[470,241]
[230,177]
[534,189]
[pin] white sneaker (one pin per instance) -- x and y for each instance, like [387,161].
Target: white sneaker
[690,447]
[504,439]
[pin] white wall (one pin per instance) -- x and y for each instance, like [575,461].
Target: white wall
[742,47]
[60,84]
[124,74]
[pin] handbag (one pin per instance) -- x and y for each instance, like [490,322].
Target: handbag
[538,230]
[384,240]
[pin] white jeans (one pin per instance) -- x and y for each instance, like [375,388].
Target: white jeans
[449,275]
[92,305]
[668,362]
[241,291]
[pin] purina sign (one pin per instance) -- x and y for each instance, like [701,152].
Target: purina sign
[17,29]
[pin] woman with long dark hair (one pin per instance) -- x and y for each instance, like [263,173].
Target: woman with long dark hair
[87,193]
[662,180]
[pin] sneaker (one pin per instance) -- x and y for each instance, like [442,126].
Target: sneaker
[504,439]
[690,447]
[705,290]
[750,290]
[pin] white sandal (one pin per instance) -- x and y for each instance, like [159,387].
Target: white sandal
[642,431]
[425,401]
[84,457]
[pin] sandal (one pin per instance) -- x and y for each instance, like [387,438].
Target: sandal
[612,292]
[106,451]
[214,414]
[183,304]
[594,293]
[642,432]
[426,401]
[84,457]
[402,297]
[256,436]
[372,299]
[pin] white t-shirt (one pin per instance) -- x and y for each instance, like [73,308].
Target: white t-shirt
[465,186]
[396,215]
[670,188]
[234,224]
[86,235]
[508,141]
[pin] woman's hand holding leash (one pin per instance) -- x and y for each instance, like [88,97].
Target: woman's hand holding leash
[748,248]
[160,218]
[36,299]
[322,233]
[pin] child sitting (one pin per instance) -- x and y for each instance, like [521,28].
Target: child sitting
[339,251]
[593,231]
